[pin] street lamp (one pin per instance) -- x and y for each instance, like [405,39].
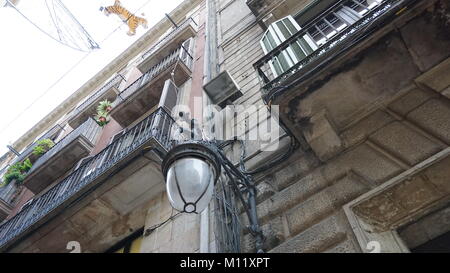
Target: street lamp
[192,168]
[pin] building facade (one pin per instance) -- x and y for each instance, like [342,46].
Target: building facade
[358,89]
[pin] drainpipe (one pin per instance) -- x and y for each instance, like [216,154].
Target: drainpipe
[209,62]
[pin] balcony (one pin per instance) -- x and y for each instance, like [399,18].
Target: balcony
[28,152]
[168,44]
[153,131]
[5,210]
[63,156]
[89,108]
[142,95]
[6,194]
[329,50]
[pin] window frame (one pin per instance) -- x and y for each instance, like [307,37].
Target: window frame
[278,38]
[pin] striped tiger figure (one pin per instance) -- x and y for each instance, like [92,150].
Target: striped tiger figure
[132,21]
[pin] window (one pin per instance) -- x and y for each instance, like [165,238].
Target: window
[337,20]
[317,34]
[187,51]
[279,32]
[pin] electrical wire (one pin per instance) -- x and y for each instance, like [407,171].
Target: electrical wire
[151,229]
[2,130]
[40,29]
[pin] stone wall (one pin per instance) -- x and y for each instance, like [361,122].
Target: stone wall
[178,235]
[378,116]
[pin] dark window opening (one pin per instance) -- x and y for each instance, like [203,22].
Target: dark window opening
[440,244]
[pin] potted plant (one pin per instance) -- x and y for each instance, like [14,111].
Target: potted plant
[103,110]
[104,107]
[42,147]
[17,172]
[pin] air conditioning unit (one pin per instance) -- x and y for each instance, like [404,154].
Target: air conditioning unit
[223,90]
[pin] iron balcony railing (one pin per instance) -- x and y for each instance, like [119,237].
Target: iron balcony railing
[89,130]
[153,72]
[155,127]
[169,36]
[49,134]
[114,82]
[338,44]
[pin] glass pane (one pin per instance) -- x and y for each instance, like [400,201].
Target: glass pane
[315,34]
[282,59]
[326,29]
[286,33]
[276,65]
[336,22]
[266,44]
[358,5]
[290,26]
[298,51]
[305,46]
[271,40]
[348,15]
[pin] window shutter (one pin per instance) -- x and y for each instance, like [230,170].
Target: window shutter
[277,33]
[169,96]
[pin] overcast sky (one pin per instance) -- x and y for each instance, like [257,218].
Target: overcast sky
[31,62]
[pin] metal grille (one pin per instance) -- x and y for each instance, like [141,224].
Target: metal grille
[113,83]
[160,43]
[336,41]
[227,223]
[152,73]
[156,127]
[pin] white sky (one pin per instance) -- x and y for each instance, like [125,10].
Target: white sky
[31,62]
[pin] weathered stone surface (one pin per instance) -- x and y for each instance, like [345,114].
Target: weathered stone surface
[434,117]
[383,70]
[405,143]
[294,171]
[362,129]
[264,191]
[411,100]
[446,92]
[427,228]
[89,219]
[439,175]
[322,136]
[371,165]
[181,234]
[347,246]
[437,78]
[323,203]
[291,196]
[318,238]
[389,208]
[425,41]
[273,233]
